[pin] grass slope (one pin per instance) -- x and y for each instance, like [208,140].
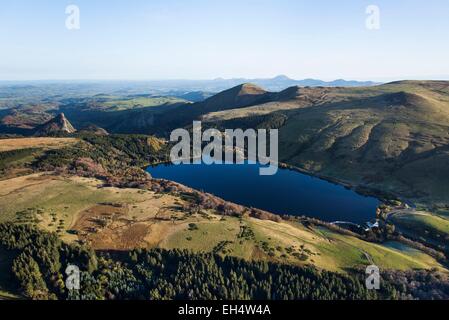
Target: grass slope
[26,143]
[122,219]
[393,137]
[428,227]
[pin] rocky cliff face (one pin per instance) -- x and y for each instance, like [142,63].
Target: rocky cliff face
[57,125]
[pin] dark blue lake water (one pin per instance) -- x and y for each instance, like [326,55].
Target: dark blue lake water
[286,192]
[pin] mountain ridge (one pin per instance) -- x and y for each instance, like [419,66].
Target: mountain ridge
[391,137]
[57,125]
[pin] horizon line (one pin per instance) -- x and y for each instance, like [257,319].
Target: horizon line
[374,80]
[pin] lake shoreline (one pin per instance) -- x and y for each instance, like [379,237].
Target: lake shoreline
[363,190]
[318,197]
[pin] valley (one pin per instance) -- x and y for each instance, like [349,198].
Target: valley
[75,168]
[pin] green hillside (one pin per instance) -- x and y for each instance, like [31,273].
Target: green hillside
[393,137]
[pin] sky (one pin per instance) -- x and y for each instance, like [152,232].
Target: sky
[207,39]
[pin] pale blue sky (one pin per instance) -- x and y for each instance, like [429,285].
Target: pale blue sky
[205,39]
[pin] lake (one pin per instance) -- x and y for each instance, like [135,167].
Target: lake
[287,192]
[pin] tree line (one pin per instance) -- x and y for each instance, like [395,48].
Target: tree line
[40,260]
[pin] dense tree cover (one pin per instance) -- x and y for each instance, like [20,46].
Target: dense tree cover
[40,260]
[270,121]
[182,275]
[129,150]
[140,149]
[8,157]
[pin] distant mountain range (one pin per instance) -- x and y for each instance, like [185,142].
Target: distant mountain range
[282,82]
[390,137]
[192,90]
[278,83]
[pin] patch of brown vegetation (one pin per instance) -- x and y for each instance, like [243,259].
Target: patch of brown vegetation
[258,254]
[92,217]
[161,231]
[88,165]
[15,172]
[117,227]
[27,143]
[133,236]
